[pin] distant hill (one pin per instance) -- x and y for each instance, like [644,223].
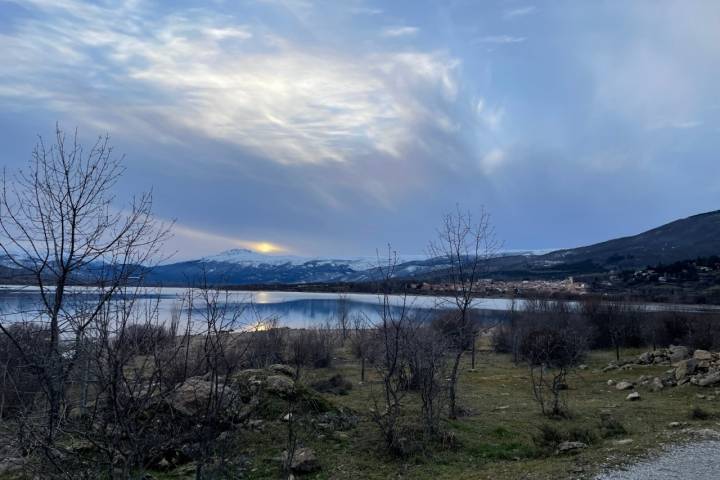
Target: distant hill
[688,238]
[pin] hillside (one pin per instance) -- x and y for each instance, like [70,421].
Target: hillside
[688,238]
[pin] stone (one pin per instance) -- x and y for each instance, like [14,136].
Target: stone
[624,441]
[707,380]
[566,447]
[657,385]
[646,358]
[634,396]
[286,370]
[678,353]
[685,368]
[624,385]
[611,382]
[303,461]
[193,395]
[702,355]
[280,385]
[582,367]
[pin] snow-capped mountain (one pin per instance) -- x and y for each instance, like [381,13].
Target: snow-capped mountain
[244,266]
[247,257]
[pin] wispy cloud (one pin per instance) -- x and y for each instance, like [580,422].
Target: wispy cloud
[519,12]
[366,11]
[501,39]
[399,31]
[164,76]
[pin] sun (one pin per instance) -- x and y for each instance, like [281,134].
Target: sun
[266,247]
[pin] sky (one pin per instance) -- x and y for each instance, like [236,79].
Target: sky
[335,127]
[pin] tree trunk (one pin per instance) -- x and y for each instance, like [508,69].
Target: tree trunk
[453,385]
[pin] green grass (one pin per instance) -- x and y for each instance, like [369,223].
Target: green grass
[494,443]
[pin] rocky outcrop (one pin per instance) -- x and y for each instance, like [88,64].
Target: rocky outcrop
[303,460]
[702,368]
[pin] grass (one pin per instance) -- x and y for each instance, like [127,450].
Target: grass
[498,443]
[500,439]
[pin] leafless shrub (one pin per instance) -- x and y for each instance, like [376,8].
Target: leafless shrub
[466,244]
[392,364]
[552,345]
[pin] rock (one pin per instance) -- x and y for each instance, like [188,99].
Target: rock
[646,358]
[657,384]
[304,461]
[707,380]
[634,396]
[280,385]
[678,353]
[624,385]
[193,395]
[685,368]
[611,382]
[582,367]
[676,424]
[566,447]
[624,441]
[702,355]
[286,370]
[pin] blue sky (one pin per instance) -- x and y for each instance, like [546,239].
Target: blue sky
[334,127]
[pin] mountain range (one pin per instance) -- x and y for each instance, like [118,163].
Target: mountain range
[688,238]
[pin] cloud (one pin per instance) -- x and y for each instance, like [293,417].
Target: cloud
[519,12]
[501,39]
[492,160]
[491,117]
[675,124]
[399,31]
[366,11]
[204,241]
[345,115]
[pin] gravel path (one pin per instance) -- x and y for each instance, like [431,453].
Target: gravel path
[696,461]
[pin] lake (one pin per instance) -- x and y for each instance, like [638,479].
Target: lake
[292,309]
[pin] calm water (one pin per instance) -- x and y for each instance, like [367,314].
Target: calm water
[293,309]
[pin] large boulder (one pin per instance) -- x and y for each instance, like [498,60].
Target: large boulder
[193,396]
[685,368]
[279,385]
[281,369]
[678,353]
[707,380]
[646,358]
[701,355]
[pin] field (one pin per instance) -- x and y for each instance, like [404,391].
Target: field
[495,439]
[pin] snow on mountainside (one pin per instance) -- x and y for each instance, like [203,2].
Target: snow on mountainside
[250,258]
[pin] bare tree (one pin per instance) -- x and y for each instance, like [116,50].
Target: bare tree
[392,365]
[59,227]
[465,244]
[363,342]
[343,317]
[552,343]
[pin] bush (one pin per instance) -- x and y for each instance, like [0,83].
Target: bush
[547,438]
